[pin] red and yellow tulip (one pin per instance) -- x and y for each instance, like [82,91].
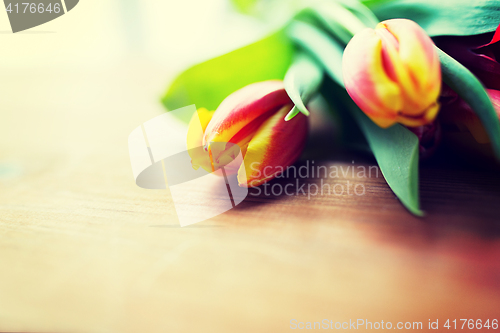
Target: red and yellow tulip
[393,73]
[251,119]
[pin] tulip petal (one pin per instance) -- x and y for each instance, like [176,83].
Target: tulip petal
[367,81]
[428,116]
[275,146]
[496,37]
[416,64]
[244,106]
[495,99]
[226,153]
[197,125]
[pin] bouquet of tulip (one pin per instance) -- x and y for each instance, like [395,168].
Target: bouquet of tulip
[403,71]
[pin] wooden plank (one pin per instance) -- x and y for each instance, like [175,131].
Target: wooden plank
[82,249]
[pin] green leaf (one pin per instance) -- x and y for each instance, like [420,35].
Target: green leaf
[301,82]
[209,83]
[327,19]
[362,12]
[320,46]
[467,86]
[442,17]
[394,148]
[396,151]
[343,20]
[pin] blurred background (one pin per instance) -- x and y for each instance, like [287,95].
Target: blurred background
[169,34]
[100,71]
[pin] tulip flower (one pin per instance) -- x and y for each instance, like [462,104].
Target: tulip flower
[251,120]
[393,73]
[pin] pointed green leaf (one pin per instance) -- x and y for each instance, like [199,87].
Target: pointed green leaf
[396,151]
[302,81]
[467,86]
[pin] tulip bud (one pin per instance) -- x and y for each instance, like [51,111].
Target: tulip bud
[253,120]
[393,73]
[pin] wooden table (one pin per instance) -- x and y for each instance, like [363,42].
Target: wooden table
[83,249]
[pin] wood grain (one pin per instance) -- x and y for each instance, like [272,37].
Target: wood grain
[82,249]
